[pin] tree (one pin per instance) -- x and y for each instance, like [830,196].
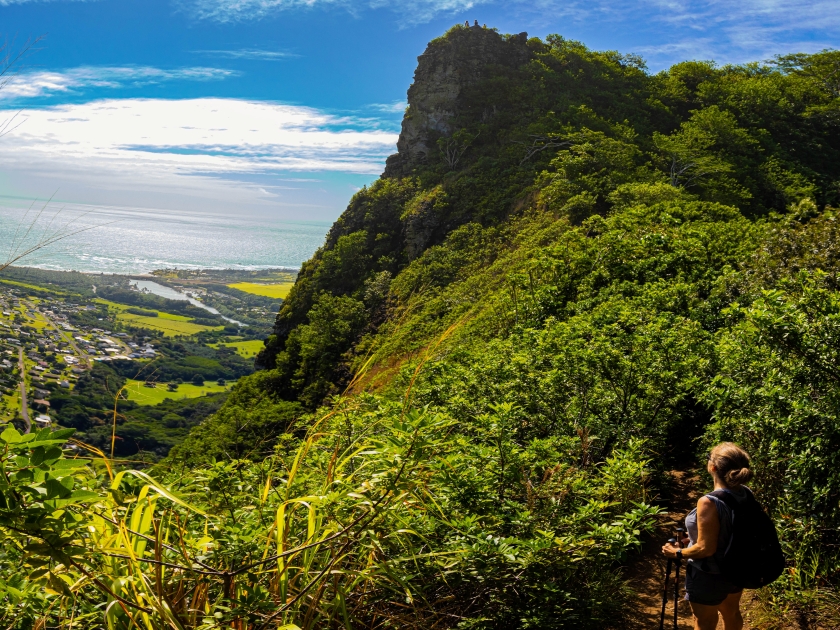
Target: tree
[823,68]
[778,393]
[453,147]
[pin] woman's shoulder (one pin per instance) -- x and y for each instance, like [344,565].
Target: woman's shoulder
[706,503]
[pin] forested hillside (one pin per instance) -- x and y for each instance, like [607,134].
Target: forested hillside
[574,276]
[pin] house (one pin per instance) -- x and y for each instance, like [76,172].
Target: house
[43,421]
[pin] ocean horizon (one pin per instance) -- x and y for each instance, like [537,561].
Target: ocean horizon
[137,241]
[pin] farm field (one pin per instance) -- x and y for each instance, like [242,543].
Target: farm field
[145,396]
[122,308]
[246,349]
[169,327]
[279,290]
[169,324]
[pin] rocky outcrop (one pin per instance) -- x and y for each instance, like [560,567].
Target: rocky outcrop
[450,64]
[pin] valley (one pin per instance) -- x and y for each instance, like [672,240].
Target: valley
[93,364]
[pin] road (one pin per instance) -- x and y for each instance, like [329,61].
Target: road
[24,404]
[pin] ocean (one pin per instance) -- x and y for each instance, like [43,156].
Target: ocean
[137,241]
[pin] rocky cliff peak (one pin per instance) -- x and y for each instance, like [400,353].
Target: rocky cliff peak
[462,57]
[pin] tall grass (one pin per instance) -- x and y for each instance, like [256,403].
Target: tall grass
[358,523]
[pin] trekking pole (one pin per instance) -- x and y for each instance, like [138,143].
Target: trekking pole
[665,590]
[680,534]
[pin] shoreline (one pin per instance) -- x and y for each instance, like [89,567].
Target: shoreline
[146,275]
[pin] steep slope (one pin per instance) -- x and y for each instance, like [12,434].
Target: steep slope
[501,126]
[567,264]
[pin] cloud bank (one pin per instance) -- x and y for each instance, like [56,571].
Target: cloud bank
[29,85]
[409,12]
[247,53]
[230,150]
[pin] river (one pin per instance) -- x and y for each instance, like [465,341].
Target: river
[172,294]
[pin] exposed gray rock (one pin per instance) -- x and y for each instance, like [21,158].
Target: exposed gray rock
[451,63]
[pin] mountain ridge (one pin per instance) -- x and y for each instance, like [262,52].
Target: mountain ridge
[588,274]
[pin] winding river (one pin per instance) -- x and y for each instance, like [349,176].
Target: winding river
[172,294]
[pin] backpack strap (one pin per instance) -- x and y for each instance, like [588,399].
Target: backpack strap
[729,500]
[727,497]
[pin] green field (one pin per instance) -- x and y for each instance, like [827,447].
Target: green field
[170,328]
[38,322]
[169,324]
[279,290]
[245,349]
[36,287]
[12,406]
[143,395]
[122,308]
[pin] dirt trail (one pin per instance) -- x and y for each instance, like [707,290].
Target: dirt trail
[646,574]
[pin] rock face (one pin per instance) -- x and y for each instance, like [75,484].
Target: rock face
[459,59]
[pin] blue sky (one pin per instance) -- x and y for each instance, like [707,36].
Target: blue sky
[283,108]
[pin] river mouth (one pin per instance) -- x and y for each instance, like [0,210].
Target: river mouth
[171,294]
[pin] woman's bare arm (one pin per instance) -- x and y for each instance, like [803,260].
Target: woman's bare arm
[708,529]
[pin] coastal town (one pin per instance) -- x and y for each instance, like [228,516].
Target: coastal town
[42,351]
[129,363]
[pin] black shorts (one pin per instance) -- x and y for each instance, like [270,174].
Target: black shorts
[707,588]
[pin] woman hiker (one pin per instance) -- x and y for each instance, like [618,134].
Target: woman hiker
[709,528]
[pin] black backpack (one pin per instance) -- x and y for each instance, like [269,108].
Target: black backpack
[754,556]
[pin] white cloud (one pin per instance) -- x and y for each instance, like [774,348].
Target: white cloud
[409,12]
[751,29]
[205,135]
[738,29]
[152,151]
[44,83]
[239,10]
[247,53]
[727,31]
[397,107]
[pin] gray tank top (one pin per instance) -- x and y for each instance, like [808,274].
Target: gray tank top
[711,564]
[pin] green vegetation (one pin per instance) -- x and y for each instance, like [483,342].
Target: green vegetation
[183,362]
[153,302]
[146,425]
[170,324]
[169,327]
[246,349]
[57,282]
[266,290]
[142,395]
[135,310]
[475,388]
[36,289]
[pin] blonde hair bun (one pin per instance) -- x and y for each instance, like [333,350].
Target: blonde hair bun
[738,477]
[732,463]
